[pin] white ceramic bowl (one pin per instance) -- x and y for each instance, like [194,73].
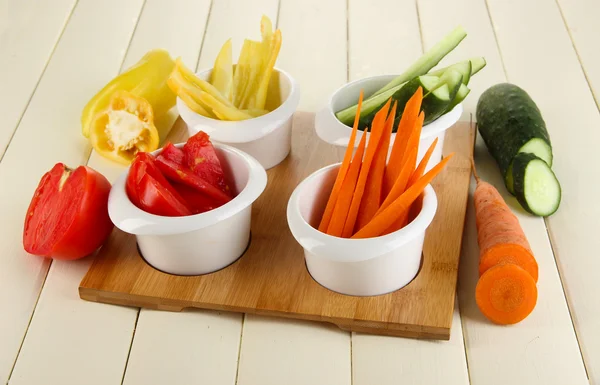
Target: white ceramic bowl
[201,243]
[360,267]
[268,138]
[332,131]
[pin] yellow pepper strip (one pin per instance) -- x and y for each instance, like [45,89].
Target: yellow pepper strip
[254,62]
[221,76]
[266,28]
[146,79]
[188,99]
[229,113]
[205,86]
[261,93]
[124,128]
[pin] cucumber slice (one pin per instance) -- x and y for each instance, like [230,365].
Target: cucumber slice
[536,186]
[462,93]
[536,146]
[463,67]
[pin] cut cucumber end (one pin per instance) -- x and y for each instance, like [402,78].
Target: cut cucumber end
[540,148]
[536,187]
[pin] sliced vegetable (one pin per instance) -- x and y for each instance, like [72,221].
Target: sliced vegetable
[339,180]
[344,201]
[510,122]
[150,190]
[365,168]
[405,128]
[382,221]
[146,79]
[124,128]
[425,63]
[535,185]
[222,74]
[499,234]
[197,202]
[374,187]
[506,294]
[68,214]
[201,158]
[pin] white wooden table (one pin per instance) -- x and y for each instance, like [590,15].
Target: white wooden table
[54,55]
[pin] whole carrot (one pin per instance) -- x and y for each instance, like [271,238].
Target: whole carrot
[499,234]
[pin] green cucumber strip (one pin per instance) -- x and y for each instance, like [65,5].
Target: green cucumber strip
[477,64]
[464,67]
[452,78]
[429,59]
[425,63]
[536,186]
[429,83]
[462,93]
[347,116]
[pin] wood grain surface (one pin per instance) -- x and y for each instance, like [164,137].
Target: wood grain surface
[271,278]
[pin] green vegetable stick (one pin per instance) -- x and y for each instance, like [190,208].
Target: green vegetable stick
[426,62]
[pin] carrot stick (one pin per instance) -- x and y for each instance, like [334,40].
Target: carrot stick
[506,294]
[405,127]
[342,172]
[499,234]
[387,217]
[399,186]
[372,196]
[375,137]
[422,164]
[413,142]
[342,205]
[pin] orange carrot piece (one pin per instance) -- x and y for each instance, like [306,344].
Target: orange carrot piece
[382,221]
[405,127]
[342,205]
[373,190]
[422,164]
[413,142]
[499,234]
[342,172]
[506,294]
[400,184]
[375,137]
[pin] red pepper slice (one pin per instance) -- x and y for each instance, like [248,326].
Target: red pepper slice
[198,202]
[200,156]
[173,153]
[150,191]
[178,173]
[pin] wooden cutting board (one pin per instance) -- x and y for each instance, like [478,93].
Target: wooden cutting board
[271,277]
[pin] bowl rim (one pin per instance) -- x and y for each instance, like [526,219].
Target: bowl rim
[328,246]
[133,220]
[248,130]
[429,130]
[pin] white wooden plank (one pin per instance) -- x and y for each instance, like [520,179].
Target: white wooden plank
[284,351]
[50,132]
[536,47]
[236,20]
[581,17]
[293,352]
[382,39]
[387,360]
[314,48]
[29,31]
[389,48]
[543,348]
[190,347]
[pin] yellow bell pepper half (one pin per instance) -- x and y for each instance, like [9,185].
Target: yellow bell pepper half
[146,79]
[124,128]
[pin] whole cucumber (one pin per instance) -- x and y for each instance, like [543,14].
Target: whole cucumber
[510,122]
